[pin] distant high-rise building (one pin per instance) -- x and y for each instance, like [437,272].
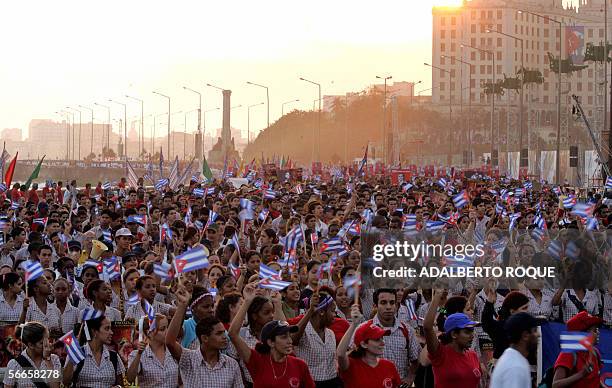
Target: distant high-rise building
[11,134]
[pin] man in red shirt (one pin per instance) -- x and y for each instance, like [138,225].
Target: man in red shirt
[16,193]
[580,369]
[33,194]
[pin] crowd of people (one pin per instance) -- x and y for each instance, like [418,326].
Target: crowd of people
[259,286]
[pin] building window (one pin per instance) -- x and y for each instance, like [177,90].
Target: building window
[473,56]
[472,41]
[442,86]
[499,42]
[545,86]
[601,32]
[452,73]
[546,32]
[590,32]
[483,41]
[482,56]
[442,34]
[441,97]
[490,14]
[452,86]
[473,28]
[453,34]
[579,86]
[590,87]
[498,55]
[442,21]
[452,47]
[442,73]
[482,69]
[489,69]
[442,47]
[472,83]
[483,14]
[545,46]
[590,99]
[499,27]
[546,99]
[442,61]
[516,29]
[590,72]
[473,15]
[499,69]
[453,20]
[499,14]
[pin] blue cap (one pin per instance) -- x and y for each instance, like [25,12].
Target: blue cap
[458,321]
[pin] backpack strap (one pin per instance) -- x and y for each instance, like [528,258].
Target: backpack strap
[114,359]
[406,334]
[24,363]
[575,301]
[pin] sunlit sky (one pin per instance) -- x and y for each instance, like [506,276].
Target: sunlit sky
[58,53]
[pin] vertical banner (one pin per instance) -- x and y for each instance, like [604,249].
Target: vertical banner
[548,166]
[574,44]
[513,164]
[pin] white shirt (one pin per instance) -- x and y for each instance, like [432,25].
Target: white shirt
[511,371]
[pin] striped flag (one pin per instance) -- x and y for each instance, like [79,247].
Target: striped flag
[198,192]
[159,186]
[263,214]
[351,284]
[235,270]
[609,182]
[273,284]
[555,249]
[40,221]
[73,349]
[112,268]
[267,272]
[33,270]
[106,185]
[191,260]
[583,210]
[435,226]
[575,341]
[269,194]
[133,300]
[569,202]
[150,311]
[173,177]
[163,270]
[132,177]
[411,310]
[91,313]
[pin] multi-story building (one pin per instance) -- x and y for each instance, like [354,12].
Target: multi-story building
[513,32]
[12,134]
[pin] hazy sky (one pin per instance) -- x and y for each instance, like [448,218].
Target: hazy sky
[58,53]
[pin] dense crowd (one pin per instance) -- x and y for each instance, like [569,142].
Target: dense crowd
[260,286]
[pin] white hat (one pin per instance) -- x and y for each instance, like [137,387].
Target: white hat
[123,232]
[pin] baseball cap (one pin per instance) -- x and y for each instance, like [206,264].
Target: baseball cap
[582,321]
[274,328]
[520,322]
[367,331]
[458,321]
[74,245]
[123,232]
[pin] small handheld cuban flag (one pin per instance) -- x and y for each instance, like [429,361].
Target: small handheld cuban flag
[269,194]
[159,186]
[461,199]
[555,249]
[572,251]
[96,264]
[538,234]
[575,341]
[609,183]
[513,218]
[197,192]
[33,270]
[267,272]
[2,187]
[150,311]
[411,310]
[273,284]
[191,260]
[351,284]
[435,226]
[73,349]
[583,210]
[210,191]
[592,224]
[164,271]
[112,268]
[40,221]
[91,313]
[499,208]
[263,214]
[133,300]
[235,270]
[14,205]
[540,221]
[569,202]
[106,185]
[299,189]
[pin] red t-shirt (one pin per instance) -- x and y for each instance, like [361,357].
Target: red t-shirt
[567,360]
[359,374]
[33,196]
[454,369]
[296,375]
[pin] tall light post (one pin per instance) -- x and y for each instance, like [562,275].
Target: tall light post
[384,122]
[107,126]
[124,126]
[285,103]
[490,30]
[141,134]
[249,121]
[167,97]
[198,150]
[61,112]
[72,126]
[492,54]
[318,137]
[470,145]
[92,126]
[450,113]
[557,159]
[80,126]
[267,97]
[412,94]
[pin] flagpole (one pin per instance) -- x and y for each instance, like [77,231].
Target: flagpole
[3,160]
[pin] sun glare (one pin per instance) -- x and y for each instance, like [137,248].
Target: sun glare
[447,3]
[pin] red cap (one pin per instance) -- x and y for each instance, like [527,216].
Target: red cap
[367,331]
[582,321]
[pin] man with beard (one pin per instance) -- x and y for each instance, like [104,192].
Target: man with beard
[512,369]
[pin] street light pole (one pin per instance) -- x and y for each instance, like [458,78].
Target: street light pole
[199,119]
[384,123]
[204,125]
[168,97]
[318,138]
[67,132]
[522,82]
[80,126]
[141,135]
[470,145]
[450,114]
[249,121]
[267,98]
[107,127]
[124,126]
[92,126]
[285,103]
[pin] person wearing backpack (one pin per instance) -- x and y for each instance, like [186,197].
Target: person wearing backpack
[579,369]
[101,367]
[37,355]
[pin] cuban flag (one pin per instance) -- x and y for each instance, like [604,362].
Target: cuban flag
[234,241]
[435,226]
[528,185]
[332,245]
[461,199]
[14,205]
[73,349]
[592,224]
[411,310]
[555,249]
[258,183]
[583,210]
[191,260]
[212,217]
[316,191]
[513,218]
[576,341]
[269,194]
[410,228]
[150,311]
[40,221]
[164,271]
[91,313]
[518,192]
[106,185]
[33,270]
[538,234]
[198,192]
[2,187]
[159,186]
[540,222]
[210,191]
[235,270]
[443,183]
[407,186]
[133,300]
[112,268]
[299,189]
[272,284]
[267,272]
[314,238]
[609,183]
[94,263]
[569,202]
[351,284]
[293,238]
[572,251]
[263,214]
